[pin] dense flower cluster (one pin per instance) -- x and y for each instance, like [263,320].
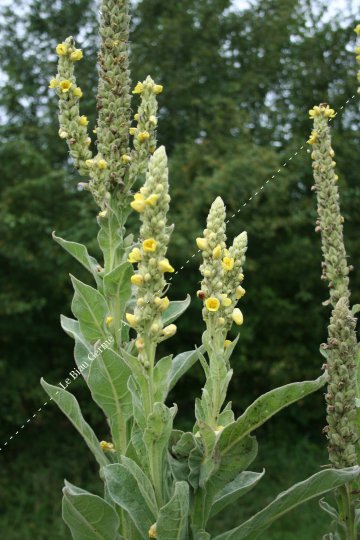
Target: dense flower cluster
[221,270]
[152,203]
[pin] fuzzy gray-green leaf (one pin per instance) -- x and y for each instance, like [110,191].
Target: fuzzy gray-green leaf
[172,523]
[88,516]
[175,309]
[91,309]
[315,486]
[243,483]
[70,407]
[124,490]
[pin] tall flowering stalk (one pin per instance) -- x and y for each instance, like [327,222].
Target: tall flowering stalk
[159,481]
[341,347]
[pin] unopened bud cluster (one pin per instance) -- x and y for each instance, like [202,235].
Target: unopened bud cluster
[144,132]
[152,203]
[341,364]
[113,99]
[221,270]
[330,221]
[357,52]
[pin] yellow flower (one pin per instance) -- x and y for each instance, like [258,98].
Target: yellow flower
[227,342]
[149,245]
[217,252]
[136,117]
[313,137]
[83,121]
[152,531]
[109,320]
[139,88]
[329,113]
[62,49]
[315,111]
[169,330]
[103,213]
[152,149]
[226,302]
[239,293]
[201,243]
[76,55]
[134,256]
[102,164]
[132,130]
[228,263]
[151,200]
[157,88]
[53,83]
[212,304]
[357,29]
[138,204]
[153,120]
[143,136]
[165,302]
[165,266]
[78,92]
[107,446]
[237,317]
[137,280]
[125,158]
[131,319]
[65,85]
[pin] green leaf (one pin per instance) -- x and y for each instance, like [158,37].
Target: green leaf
[157,434]
[181,364]
[231,463]
[202,535]
[117,290]
[90,308]
[145,486]
[108,377]
[88,516]
[70,407]
[110,235]
[162,378]
[117,283]
[175,309]
[124,490]
[264,408]
[82,350]
[243,483]
[172,523]
[80,253]
[315,486]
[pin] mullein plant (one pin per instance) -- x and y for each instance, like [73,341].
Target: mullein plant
[159,481]
[341,350]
